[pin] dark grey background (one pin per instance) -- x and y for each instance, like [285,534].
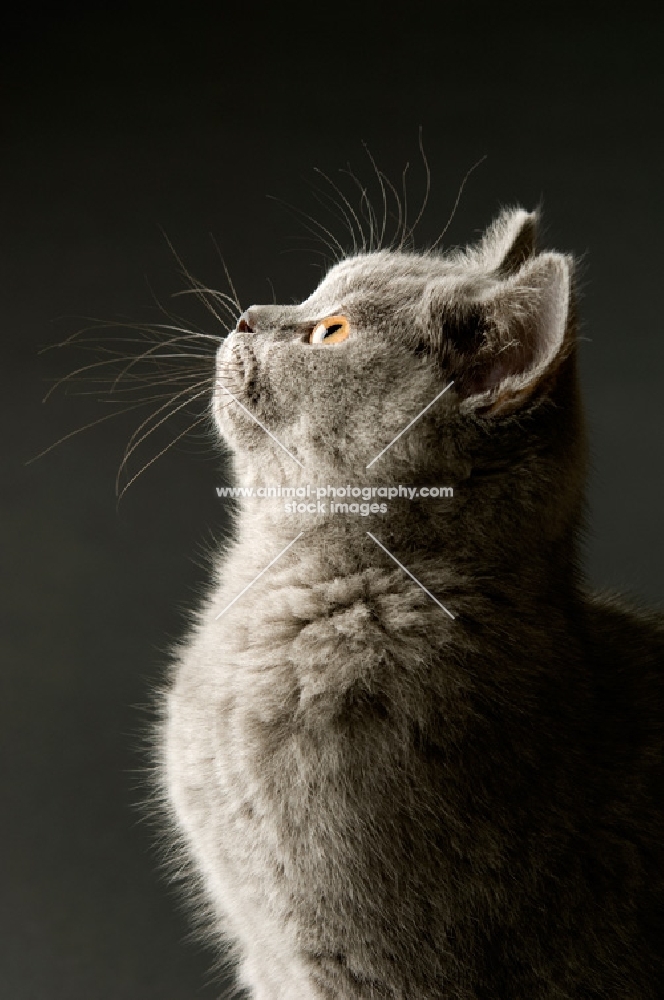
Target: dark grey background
[119,121]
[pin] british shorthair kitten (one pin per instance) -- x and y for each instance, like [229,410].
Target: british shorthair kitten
[407,755]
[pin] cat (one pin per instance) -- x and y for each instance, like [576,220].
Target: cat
[409,754]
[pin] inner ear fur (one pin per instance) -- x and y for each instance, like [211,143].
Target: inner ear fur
[508,343]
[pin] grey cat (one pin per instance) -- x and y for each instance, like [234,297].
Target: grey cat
[439,778]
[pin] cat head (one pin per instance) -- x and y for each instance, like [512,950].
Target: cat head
[332,381]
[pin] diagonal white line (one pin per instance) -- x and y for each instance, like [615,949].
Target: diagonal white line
[258,577]
[250,414]
[401,566]
[409,425]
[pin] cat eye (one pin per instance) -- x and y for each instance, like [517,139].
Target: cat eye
[330,331]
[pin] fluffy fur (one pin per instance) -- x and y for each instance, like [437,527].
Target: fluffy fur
[379,801]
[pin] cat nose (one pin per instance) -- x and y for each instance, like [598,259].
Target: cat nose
[244,323]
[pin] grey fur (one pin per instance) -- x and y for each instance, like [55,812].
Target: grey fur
[377,801]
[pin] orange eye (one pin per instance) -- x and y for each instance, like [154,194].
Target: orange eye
[330,331]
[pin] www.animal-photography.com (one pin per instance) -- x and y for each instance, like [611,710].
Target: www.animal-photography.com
[333,613]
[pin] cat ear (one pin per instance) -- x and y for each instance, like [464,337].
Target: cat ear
[522,333]
[508,242]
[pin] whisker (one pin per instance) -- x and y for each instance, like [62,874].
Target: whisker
[458,199]
[161,367]
[165,381]
[153,331]
[225,300]
[78,371]
[79,430]
[150,354]
[193,282]
[325,199]
[363,198]
[348,205]
[405,206]
[310,221]
[173,318]
[73,338]
[314,250]
[411,231]
[395,195]
[163,451]
[158,327]
[383,194]
[135,440]
[235,298]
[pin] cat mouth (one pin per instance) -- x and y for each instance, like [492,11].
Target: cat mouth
[237,373]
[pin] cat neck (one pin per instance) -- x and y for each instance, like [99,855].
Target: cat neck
[432,545]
